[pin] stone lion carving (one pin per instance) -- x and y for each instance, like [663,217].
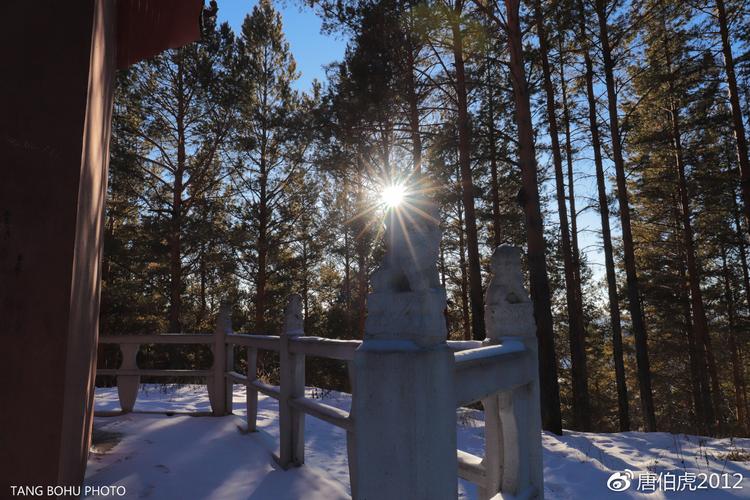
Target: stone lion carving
[508,310]
[413,245]
[407,301]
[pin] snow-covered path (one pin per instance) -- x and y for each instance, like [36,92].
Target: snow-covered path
[188,457]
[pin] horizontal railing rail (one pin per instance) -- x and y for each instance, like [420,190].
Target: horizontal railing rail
[325,348]
[265,342]
[488,370]
[500,372]
[160,338]
[153,372]
[134,342]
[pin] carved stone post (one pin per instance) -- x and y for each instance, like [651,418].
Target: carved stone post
[127,385]
[404,402]
[513,435]
[228,383]
[351,435]
[217,393]
[291,420]
[250,391]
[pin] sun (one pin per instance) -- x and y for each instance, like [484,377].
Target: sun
[393,195]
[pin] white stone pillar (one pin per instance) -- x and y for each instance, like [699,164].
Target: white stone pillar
[405,422]
[292,367]
[251,392]
[127,385]
[217,392]
[404,400]
[513,433]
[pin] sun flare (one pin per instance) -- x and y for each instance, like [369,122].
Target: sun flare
[393,195]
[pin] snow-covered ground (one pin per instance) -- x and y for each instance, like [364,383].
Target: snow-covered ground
[187,457]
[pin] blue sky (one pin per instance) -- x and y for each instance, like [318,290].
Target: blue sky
[311,49]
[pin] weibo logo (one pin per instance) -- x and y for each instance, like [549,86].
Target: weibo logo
[620,481]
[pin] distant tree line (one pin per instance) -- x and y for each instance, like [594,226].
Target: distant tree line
[538,122]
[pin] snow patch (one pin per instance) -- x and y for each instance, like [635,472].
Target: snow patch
[188,457]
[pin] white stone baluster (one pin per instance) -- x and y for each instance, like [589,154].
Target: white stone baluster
[351,441]
[229,367]
[217,393]
[292,366]
[251,391]
[513,440]
[127,385]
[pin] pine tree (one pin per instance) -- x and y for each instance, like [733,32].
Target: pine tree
[182,100]
[634,300]
[581,404]
[540,291]
[271,142]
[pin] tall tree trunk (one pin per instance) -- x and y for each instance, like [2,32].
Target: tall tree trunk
[203,275]
[581,404]
[175,237]
[262,248]
[465,315]
[175,267]
[305,288]
[734,101]
[106,283]
[347,259]
[363,285]
[738,377]
[467,184]
[700,323]
[263,217]
[741,245]
[634,302]
[571,179]
[575,250]
[348,283]
[695,381]
[494,182]
[412,99]
[623,411]
[529,198]
[699,385]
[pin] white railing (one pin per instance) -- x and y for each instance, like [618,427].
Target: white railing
[502,377]
[500,372]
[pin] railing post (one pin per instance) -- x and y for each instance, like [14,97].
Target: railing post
[530,438]
[513,435]
[228,383]
[250,391]
[404,402]
[291,420]
[127,385]
[217,392]
[351,436]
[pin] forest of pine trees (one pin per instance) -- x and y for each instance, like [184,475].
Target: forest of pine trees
[608,139]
